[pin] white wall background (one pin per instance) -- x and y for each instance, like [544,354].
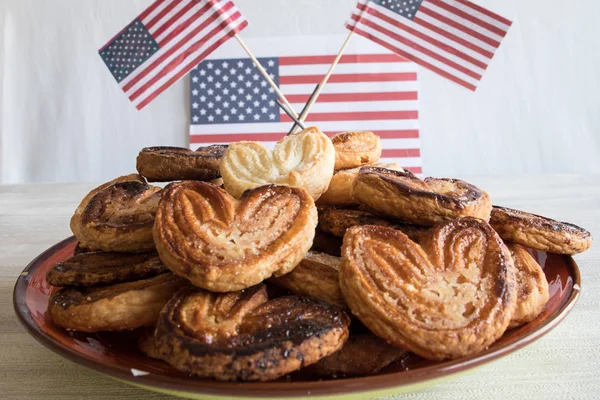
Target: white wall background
[63,118]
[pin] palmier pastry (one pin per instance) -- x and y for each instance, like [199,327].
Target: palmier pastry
[363,354]
[164,164]
[341,186]
[403,196]
[539,232]
[304,160]
[105,268]
[337,220]
[355,149]
[244,336]
[532,286]
[120,218]
[76,218]
[124,306]
[450,297]
[316,276]
[80,250]
[222,244]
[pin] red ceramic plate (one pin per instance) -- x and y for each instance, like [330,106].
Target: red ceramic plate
[116,354]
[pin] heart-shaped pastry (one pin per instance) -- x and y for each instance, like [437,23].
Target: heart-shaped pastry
[244,336]
[119,218]
[304,160]
[403,196]
[450,297]
[223,244]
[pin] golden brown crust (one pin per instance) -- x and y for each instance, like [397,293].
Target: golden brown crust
[450,297]
[363,354]
[539,232]
[164,164]
[120,218]
[532,286]
[243,336]
[340,188]
[355,149]
[104,268]
[316,276]
[76,218]
[337,220]
[223,244]
[303,160]
[124,306]
[426,202]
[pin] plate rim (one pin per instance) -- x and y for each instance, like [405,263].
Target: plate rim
[329,388]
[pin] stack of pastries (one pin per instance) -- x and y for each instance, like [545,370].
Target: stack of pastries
[251,264]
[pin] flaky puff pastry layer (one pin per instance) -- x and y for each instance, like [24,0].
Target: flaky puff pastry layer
[355,149]
[532,286]
[450,297]
[223,244]
[303,160]
[403,196]
[119,218]
[316,276]
[340,188]
[539,232]
[245,336]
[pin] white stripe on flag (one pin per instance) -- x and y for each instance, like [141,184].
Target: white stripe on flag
[354,87]
[360,106]
[349,68]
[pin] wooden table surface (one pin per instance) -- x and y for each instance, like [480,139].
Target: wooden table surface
[563,364]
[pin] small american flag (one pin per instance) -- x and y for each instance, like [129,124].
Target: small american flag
[454,38]
[231,102]
[165,42]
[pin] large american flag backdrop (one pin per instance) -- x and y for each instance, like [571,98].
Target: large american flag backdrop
[165,42]
[231,102]
[456,39]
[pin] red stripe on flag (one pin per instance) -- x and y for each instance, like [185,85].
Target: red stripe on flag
[150,9]
[468,17]
[172,21]
[485,12]
[413,57]
[182,26]
[425,37]
[458,26]
[398,153]
[194,62]
[357,116]
[345,97]
[418,47]
[346,59]
[161,14]
[453,37]
[350,78]
[177,47]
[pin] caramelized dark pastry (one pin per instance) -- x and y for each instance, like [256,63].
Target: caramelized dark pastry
[223,244]
[164,164]
[337,220]
[119,218]
[363,354]
[124,306]
[105,268]
[449,297]
[327,243]
[403,196]
[244,336]
[316,276]
[539,232]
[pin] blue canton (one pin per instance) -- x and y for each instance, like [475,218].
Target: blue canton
[233,91]
[129,50]
[406,8]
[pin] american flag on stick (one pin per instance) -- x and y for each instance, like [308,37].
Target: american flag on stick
[454,38]
[165,42]
[231,102]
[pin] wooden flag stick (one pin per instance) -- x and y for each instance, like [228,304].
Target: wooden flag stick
[314,98]
[290,114]
[265,74]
